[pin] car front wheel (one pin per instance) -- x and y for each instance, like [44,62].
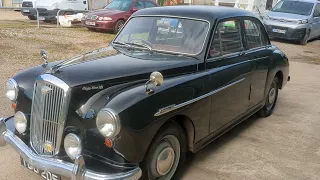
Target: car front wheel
[118,26]
[166,154]
[271,100]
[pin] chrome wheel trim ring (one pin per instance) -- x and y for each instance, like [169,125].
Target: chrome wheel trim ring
[272,95]
[165,161]
[168,144]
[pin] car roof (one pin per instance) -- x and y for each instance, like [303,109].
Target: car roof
[209,13]
[313,1]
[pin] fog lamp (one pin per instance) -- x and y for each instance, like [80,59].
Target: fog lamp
[72,145]
[20,122]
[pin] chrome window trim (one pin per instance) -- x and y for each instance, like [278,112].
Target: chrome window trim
[65,107]
[179,17]
[173,107]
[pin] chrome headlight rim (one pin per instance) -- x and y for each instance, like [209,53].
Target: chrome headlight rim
[16,89]
[24,120]
[67,139]
[115,119]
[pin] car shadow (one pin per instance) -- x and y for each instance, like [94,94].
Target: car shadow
[219,142]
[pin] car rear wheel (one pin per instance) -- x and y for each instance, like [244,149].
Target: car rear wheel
[271,100]
[32,17]
[166,154]
[118,26]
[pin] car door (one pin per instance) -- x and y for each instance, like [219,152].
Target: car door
[315,32]
[257,43]
[230,71]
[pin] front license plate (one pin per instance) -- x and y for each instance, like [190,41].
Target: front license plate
[279,31]
[42,18]
[90,23]
[44,174]
[26,10]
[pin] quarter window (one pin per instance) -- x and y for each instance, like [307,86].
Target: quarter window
[227,39]
[254,35]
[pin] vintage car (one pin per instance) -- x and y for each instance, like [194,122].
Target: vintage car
[172,80]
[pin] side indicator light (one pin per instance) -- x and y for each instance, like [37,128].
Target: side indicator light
[14,106]
[108,142]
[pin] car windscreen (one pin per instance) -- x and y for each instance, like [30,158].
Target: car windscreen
[166,34]
[121,5]
[294,7]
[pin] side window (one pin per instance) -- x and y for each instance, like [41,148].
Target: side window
[227,38]
[317,11]
[149,4]
[254,35]
[139,5]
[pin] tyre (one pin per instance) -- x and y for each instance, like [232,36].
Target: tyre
[166,154]
[32,17]
[271,100]
[118,26]
[305,39]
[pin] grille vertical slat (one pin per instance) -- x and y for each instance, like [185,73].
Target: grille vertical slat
[48,116]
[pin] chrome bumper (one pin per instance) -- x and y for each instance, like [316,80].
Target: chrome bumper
[76,171]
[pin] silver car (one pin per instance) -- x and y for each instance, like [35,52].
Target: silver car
[297,20]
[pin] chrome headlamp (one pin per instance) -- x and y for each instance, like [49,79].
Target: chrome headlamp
[12,90]
[108,123]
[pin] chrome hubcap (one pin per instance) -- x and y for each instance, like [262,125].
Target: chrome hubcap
[272,95]
[165,161]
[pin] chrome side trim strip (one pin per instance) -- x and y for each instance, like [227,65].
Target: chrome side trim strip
[173,107]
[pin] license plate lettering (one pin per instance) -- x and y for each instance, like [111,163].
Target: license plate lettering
[44,174]
[90,23]
[279,31]
[25,10]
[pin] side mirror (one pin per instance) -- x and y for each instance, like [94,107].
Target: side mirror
[134,10]
[156,78]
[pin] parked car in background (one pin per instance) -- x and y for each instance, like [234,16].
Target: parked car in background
[137,106]
[48,9]
[297,20]
[31,13]
[114,15]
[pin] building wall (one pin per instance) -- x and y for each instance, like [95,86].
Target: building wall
[11,3]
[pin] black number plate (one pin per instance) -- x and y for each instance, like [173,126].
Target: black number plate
[44,174]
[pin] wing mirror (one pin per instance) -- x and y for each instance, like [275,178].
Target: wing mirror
[44,57]
[134,10]
[156,78]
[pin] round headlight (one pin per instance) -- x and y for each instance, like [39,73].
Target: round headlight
[108,123]
[72,145]
[12,90]
[20,122]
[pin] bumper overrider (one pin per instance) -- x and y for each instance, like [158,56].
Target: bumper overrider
[76,171]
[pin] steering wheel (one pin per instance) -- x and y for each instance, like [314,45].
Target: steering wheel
[142,40]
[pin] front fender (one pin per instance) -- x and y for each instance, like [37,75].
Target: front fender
[138,111]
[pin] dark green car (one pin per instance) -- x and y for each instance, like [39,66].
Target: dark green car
[172,80]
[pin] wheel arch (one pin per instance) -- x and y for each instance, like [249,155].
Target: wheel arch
[186,123]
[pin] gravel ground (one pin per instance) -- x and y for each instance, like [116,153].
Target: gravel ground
[283,146]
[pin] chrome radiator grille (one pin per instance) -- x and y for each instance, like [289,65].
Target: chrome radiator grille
[48,114]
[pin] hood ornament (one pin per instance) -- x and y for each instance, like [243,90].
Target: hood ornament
[44,57]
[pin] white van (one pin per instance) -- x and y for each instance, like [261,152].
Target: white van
[48,8]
